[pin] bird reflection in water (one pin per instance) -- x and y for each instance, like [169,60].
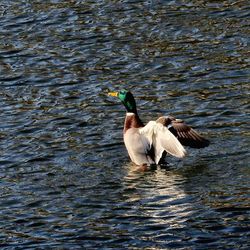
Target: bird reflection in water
[159,196]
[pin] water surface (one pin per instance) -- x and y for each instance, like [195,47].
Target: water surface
[66,179]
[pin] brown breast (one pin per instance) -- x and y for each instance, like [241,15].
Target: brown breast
[132,121]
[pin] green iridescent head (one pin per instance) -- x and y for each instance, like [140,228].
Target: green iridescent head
[127,99]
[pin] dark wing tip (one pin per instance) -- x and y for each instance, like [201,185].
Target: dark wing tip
[194,143]
[188,136]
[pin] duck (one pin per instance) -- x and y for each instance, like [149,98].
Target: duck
[149,144]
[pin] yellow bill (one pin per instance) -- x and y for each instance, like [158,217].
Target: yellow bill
[113,94]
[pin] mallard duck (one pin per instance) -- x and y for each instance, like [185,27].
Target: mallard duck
[147,145]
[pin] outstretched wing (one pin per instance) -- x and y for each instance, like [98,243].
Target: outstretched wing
[162,140]
[184,133]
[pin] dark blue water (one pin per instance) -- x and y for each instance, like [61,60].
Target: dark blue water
[66,181]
